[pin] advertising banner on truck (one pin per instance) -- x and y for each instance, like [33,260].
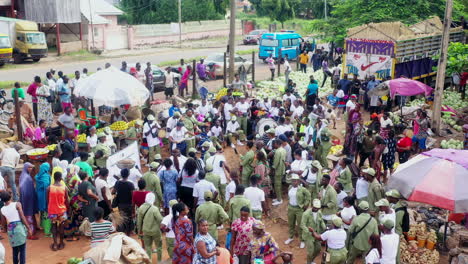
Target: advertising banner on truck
[369,57]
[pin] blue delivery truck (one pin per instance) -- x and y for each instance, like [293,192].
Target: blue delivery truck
[273,43]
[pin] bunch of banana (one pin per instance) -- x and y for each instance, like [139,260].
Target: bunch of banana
[131,123]
[81,138]
[221,93]
[52,147]
[336,149]
[119,126]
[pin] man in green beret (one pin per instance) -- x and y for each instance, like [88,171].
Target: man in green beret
[400,207]
[375,192]
[102,151]
[191,124]
[237,202]
[216,180]
[362,227]
[211,212]
[312,220]
[247,161]
[153,183]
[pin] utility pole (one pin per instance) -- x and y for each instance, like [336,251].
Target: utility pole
[92,25]
[440,79]
[180,24]
[325,9]
[232,40]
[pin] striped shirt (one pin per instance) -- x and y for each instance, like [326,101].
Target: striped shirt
[100,232]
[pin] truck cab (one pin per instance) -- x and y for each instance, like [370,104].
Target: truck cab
[5,49]
[29,43]
[280,43]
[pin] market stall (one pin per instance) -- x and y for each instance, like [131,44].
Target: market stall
[438,178]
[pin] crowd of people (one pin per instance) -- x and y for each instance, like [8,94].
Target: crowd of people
[189,189]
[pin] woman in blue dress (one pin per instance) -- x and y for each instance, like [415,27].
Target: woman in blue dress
[168,178]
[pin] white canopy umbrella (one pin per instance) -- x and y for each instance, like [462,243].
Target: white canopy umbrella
[112,87]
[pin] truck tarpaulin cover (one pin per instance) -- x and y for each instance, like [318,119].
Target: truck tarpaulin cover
[416,68]
[369,57]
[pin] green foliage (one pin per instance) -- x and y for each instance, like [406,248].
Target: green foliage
[166,11]
[457,58]
[279,10]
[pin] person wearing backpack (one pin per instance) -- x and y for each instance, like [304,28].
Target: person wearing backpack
[400,207]
[362,227]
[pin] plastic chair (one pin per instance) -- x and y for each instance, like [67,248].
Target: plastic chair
[83,116]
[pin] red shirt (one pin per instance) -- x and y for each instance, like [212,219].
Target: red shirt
[138,197]
[32,91]
[404,142]
[463,78]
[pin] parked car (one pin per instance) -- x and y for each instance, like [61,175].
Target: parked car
[215,63]
[159,79]
[254,36]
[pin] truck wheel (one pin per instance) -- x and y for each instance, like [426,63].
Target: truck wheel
[36,60]
[17,59]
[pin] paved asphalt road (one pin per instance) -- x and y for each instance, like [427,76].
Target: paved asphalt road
[27,74]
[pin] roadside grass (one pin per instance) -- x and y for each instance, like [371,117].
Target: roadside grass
[246,52]
[81,55]
[10,84]
[177,62]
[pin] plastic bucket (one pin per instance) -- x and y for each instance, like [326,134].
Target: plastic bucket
[430,245]
[421,243]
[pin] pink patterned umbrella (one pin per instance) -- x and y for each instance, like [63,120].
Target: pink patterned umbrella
[408,87]
[438,177]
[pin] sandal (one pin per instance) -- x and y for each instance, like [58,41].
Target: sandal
[61,246]
[53,247]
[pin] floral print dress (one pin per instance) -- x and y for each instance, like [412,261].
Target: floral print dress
[244,234]
[44,108]
[183,248]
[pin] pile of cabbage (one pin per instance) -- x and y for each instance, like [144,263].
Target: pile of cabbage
[269,89]
[451,144]
[450,99]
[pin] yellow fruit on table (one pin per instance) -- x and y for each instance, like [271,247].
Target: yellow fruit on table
[119,125]
[81,138]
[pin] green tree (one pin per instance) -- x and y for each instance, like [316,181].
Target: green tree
[279,10]
[457,58]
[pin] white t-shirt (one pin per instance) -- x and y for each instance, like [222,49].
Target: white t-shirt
[390,245]
[385,123]
[152,141]
[292,196]
[350,105]
[2,181]
[172,123]
[243,107]
[281,129]
[227,108]
[178,135]
[203,109]
[167,221]
[99,184]
[256,197]
[182,159]
[134,177]
[92,140]
[216,131]
[298,112]
[340,94]
[10,157]
[299,165]
[200,188]
[232,127]
[292,97]
[362,188]
[374,100]
[339,197]
[384,217]
[309,133]
[215,161]
[10,212]
[373,256]
[230,188]
[346,214]
[336,238]
[274,111]
[311,177]
[264,105]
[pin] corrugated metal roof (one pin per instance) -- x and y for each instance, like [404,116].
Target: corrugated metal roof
[98,9]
